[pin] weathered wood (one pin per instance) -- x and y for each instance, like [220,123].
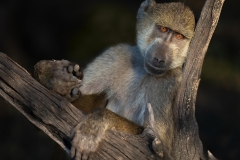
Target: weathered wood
[187,144]
[56,116]
[48,111]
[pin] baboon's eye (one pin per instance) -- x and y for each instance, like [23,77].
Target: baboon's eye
[163,29]
[179,36]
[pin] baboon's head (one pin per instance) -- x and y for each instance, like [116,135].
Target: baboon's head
[164,32]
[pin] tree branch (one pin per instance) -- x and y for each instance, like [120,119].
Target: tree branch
[187,144]
[56,116]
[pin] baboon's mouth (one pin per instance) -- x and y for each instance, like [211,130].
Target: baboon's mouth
[152,69]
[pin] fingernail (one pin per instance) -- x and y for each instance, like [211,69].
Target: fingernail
[70,69]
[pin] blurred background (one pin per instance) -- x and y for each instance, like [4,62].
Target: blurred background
[77,30]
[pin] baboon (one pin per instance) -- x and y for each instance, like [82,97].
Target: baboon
[128,77]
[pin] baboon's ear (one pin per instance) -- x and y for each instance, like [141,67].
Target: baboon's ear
[144,7]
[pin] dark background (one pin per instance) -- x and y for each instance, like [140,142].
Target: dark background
[77,30]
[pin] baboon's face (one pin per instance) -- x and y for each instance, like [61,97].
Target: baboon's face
[164,32]
[163,49]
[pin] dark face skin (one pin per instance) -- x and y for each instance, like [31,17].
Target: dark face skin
[166,50]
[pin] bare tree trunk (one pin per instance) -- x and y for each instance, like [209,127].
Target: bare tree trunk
[187,144]
[56,116]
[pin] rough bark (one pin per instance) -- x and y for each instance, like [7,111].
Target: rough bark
[187,144]
[56,116]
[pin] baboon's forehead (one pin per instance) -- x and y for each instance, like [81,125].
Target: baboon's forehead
[176,16]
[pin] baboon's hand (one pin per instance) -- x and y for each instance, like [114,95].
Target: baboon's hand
[60,76]
[87,135]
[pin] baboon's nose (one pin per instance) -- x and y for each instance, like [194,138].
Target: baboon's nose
[158,62]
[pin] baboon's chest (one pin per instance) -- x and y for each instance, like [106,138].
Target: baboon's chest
[131,101]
